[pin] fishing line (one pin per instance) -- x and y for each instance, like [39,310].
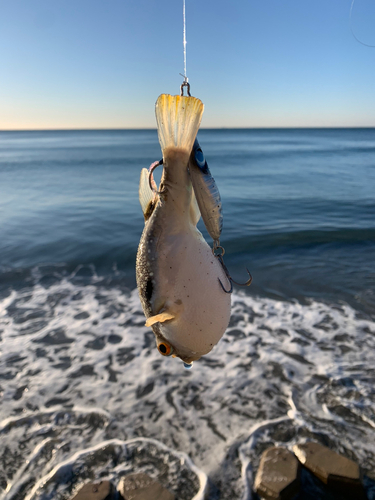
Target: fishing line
[184,39]
[185,83]
[351,28]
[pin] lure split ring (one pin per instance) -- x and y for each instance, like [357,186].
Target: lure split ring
[151,181]
[217,246]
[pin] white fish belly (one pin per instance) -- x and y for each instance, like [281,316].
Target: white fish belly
[189,285]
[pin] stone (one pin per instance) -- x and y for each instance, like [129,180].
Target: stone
[143,487]
[96,491]
[278,475]
[334,470]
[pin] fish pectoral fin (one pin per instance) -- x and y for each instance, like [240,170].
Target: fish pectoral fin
[160,318]
[146,196]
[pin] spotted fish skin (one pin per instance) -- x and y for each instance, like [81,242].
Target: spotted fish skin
[146,268]
[177,274]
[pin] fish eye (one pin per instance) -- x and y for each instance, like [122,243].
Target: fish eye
[199,158]
[165,349]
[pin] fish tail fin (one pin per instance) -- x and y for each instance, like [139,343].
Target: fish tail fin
[178,119]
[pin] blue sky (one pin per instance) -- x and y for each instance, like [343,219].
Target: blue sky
[264,63]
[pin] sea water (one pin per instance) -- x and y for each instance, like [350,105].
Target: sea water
[84,394]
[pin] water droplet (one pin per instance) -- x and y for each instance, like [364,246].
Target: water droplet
[188,366]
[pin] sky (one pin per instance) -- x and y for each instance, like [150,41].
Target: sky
[73,64]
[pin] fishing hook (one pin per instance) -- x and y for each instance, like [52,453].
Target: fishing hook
[151,181]
[219,256]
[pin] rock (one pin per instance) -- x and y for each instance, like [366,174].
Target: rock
[142,487]
[312,488]
[95,491]
[278,475]
[337,472]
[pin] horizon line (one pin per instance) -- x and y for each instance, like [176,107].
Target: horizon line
[202,128]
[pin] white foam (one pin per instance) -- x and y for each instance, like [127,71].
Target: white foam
[279,361]
[64,467]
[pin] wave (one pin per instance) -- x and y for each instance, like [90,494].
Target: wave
[283,372]
[299,239]
[112,459]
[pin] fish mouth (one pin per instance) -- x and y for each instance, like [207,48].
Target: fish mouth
[188,359]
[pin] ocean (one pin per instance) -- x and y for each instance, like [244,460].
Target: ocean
[84,394]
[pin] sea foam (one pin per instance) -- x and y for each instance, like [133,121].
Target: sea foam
[86,395]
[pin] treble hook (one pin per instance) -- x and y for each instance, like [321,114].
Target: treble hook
[220,257]
[225,269]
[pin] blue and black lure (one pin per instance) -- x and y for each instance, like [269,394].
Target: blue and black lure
[206,193]
[209,203]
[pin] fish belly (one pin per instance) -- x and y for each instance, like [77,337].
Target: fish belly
[189,284]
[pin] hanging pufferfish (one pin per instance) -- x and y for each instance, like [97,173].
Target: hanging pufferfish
[179,277]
